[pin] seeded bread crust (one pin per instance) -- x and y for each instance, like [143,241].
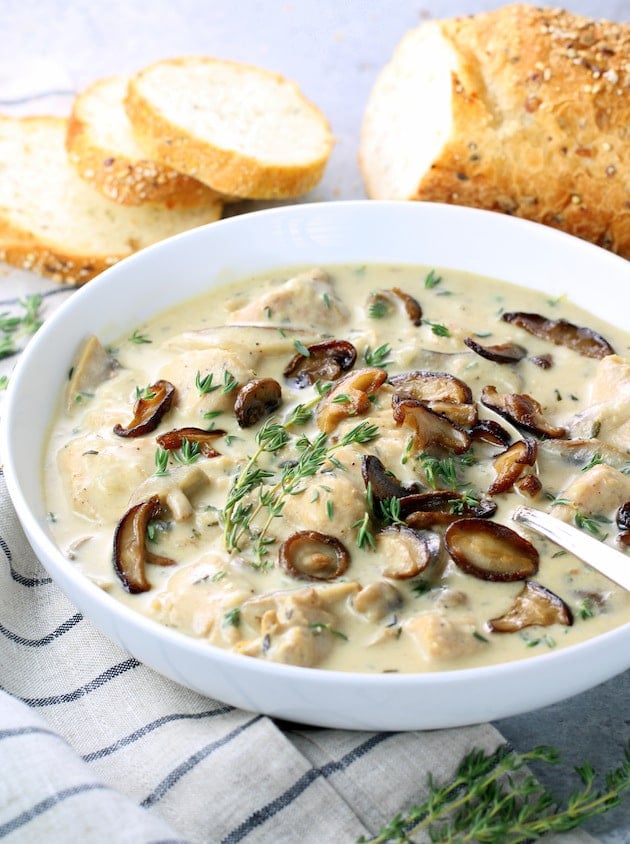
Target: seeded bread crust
[55,224]
[102,148]
[540,109]
[225,154]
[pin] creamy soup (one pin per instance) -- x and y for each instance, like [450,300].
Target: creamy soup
[319,468]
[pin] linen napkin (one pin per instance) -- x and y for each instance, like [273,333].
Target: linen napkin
[96,747]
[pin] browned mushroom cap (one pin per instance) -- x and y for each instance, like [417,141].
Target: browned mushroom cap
[427,386]
[326,361]
[173,440]
[130,553]
[349,397]
[511,463]
[490,551]
[489,431]
[404,552]
[383,484]
[430,428]
[501,353]
[521,410]
[542,361]
[257,399]
[148,410]
[310,555]
[528,485]
[623,523]
[534,606]
[584,341]
[428,509]
[387,298]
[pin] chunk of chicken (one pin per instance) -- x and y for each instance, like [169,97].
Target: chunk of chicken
[297,627]
[310,510]
[98,473]
[608,418]
[308,299]
[441,638]
[612,379]
[598,491]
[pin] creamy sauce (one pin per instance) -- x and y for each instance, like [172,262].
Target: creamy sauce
[225,584]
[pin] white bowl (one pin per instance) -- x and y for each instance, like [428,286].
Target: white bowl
[347,232]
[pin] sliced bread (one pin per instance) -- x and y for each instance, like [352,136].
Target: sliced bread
[521,110]
[242,130]
[103,149]
[52,222]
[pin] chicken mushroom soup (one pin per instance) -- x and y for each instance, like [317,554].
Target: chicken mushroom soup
[319,468]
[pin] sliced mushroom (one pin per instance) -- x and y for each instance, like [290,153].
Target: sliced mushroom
[511,463]
[622,520]
[542,361]
[325,361]
[404,552]
[528,485]
[311,555]
[430,428]
[427,386]
[521,410]
[383,484]
[148,410]
[490,551]
[173,440]
[429,509]
[387,299]
[92,367]
[533,606]
[130,553]
[501,353]
[377,600]
[349,397]
[256,400]
[489,431]
[584,341]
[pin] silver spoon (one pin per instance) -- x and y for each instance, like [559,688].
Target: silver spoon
[613,564]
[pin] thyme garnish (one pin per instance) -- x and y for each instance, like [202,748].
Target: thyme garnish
[13,327]
[378,357]
[138,338]
[485,803]
[308,458]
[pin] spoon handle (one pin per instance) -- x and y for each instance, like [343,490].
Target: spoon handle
[613,564]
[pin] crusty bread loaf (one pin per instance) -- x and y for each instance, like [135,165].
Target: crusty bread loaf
[103,149]
[521,110]
[242,130]
[51,221]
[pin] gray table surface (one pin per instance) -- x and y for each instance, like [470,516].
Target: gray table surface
[333,49]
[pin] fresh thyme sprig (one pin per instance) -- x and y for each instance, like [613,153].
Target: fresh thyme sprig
[484,803]
[310,456]
[13,327]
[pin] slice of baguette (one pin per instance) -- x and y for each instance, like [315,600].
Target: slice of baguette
[521,110]
[242,130]
[102,147]
[52,222]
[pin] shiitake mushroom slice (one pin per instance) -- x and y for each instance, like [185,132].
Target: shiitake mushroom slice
[428,386]
[501,353]
[257,399]
[622,520]
[535,605]
[511,463]
[430,428]
[429,509]
[406,553]
[130,554]
[383,484]
[489,431]
[148,410]
[326,361]
[311,555]
[560,332]
[521,410]
[490,551]
[174,440]
[349,397]
[383,301]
